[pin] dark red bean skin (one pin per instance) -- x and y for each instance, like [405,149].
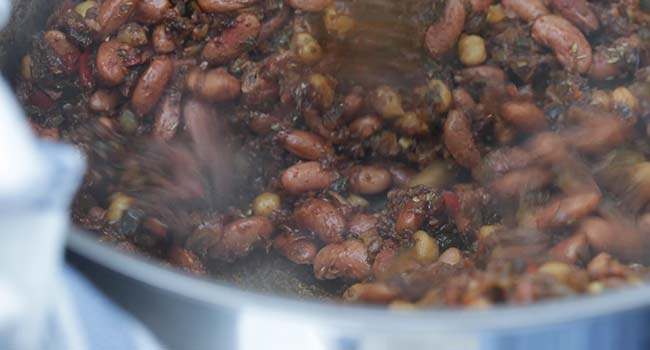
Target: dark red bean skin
[322,218]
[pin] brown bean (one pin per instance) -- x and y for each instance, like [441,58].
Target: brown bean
[151,11]
[442,36]
[215,85]
[353,103]
[410,217]
[527,10]
[401,175]
[384,260]
[577,12]
[273,24]
[501,161]
[111,68]
[462,99]
[360,223]
[618,238]
[451,256]
[376,293]
[309,5]
[103,101]
[602,67]
[306,145]
[151,84]
[322,218]
[571,47]
[167,117]
[64,50]
[186,260]
[524,115]
[518,182]
[348,259]
[369,179]
[113,14]
[233,41]
[162,39]
[365,127]
[598,134]
[298,249]
[604,265]
[306,177]
[481,74]
[548,148]
[219,6]
[571,250]
[240,237]
[563,211]
[480,5]
[459,140]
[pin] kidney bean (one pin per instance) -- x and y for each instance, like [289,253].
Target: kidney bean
[548,148]
[598,134]
[113,14]
[410,217]
[151,84]
[309,5]
[376,293]
[602,68]
[300,250]
[86,79]
[360,223]
[527,10]
[480,5]
[442,36]
[618,238]
[365,127]
[186,260]
[524,115]
[103,101]
[369,179]
[219,6]
[571,47]
[322,218]
[306,177]
[272,25]
[240,237]
[519,182]
[458,138]
[462,99]
[501,161]
[401,175]
[151,11]
[233,41]
[604,265]
[577,12]
[163,41]
[168,116]
[352,103]
[348,259]
[384,260]
[571,250]
[215,85]
[563,211]
[306,145]
[111,67]
[64,50]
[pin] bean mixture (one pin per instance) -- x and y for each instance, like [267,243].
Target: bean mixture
[425,153]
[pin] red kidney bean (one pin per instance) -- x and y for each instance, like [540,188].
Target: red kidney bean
[151,11]
[365,127]
[443,35]
[598,134]
[401,175]
[481,74]
[186,260]
[459,141]
[570,46]
[376,293]
[577,12]
[384,260]
[369,179]
[103,101]
[348,259]
[410,217]
[548,148]
[163,41]
[524,115]
[113,14]
[462,99]
[518,182]
[168,116]
[151,85]
[240,237]
[215,85]
[220,6]
[309,5]
[233,41]
[111,67]
[563,211]
[307,177]
[601,66]
[360,223]
[322,218]
[618,238]
[571,250]
[64,50]
[480,5]
[300,250]
[306,145]
[527,10]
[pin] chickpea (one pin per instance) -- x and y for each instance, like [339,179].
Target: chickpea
[441,95]
[323,89]
[426,248]
[624,99]
[558,270]
[471,50]
[401,306]
[495,14]
[357,201]
[266,203]
[83,7]
[596,287]
[412,125]
[307,48]
[119,204]
[487,230]
[437,175]
[26,67]
[387,102]
[338,23]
